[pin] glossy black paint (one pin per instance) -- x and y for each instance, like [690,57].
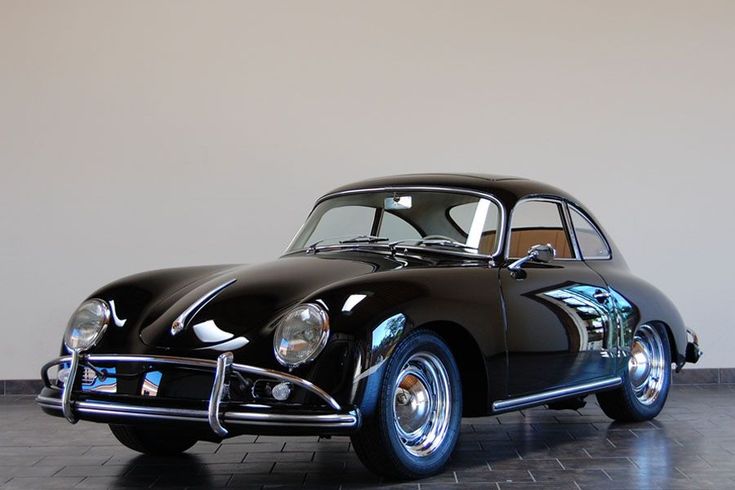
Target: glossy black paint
[511,335]
[558,333]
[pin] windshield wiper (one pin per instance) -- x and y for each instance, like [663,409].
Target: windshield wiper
[312,248]
[441,241]
[365,239]
[357,239]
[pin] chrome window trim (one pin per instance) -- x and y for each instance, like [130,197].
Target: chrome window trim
[500,234]
[572,231]
[556,200]
[587,218]
[554,395]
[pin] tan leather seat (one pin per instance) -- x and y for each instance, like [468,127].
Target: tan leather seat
[523,239]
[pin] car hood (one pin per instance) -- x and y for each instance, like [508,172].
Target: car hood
[228,309]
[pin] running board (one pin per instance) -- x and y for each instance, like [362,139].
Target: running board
[554,395]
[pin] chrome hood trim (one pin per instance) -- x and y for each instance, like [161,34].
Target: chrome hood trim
[182,320]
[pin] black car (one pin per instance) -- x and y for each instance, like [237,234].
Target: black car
[403,304]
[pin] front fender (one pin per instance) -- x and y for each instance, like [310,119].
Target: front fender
[376,312]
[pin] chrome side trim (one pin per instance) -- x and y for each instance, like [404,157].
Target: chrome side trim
[182,320]
[500,233]
[554,395]
[198,363]
[224,362]
[337,420]
[66,407]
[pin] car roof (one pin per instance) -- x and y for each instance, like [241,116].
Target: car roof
[506,188]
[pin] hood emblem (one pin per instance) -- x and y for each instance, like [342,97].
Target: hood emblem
[182,320]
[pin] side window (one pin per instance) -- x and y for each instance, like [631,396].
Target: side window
[591,243]
[538,223]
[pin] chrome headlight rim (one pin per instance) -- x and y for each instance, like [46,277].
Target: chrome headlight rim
[103,323]
[317,347]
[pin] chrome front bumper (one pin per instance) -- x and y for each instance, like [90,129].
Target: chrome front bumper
[332,418]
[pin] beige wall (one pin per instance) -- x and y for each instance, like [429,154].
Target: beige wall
[139,135]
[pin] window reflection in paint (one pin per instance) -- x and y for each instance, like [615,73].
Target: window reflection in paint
[587,320]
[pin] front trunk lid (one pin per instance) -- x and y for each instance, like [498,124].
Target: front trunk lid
[238,307]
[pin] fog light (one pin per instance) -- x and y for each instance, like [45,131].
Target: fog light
[281,391]
[63,376]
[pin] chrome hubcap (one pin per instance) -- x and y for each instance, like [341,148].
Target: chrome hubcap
[647,364]
[422,404]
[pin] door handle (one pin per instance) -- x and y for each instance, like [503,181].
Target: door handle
[601,296]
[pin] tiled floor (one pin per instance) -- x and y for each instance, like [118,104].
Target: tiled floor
[690,445]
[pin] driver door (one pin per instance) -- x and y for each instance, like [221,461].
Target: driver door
[559,320]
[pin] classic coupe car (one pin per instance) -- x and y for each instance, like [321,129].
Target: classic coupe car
[402,304]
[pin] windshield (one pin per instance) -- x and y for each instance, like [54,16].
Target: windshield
[427,218]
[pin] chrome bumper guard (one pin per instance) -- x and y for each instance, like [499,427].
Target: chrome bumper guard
[693,352]
[336,418]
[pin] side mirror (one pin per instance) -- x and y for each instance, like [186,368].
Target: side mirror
[538,253]
[542,253]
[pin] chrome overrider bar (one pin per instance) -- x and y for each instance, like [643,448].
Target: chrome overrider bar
[66,395]
[224,364]
[246,414]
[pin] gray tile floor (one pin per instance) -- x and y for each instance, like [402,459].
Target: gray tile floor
[690,445]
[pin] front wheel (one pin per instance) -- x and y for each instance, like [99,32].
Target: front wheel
[647,378]
[417,419]
[152,440]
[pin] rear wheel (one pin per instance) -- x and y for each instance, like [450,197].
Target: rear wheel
[417,419]
[152,440]
[647,379]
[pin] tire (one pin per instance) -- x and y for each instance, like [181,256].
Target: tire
[646,380]
[151,440]
[416,422]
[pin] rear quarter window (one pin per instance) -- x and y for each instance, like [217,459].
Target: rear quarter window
[591,243]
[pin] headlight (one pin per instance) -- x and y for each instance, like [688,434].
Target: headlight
[87,325]
[301,335]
